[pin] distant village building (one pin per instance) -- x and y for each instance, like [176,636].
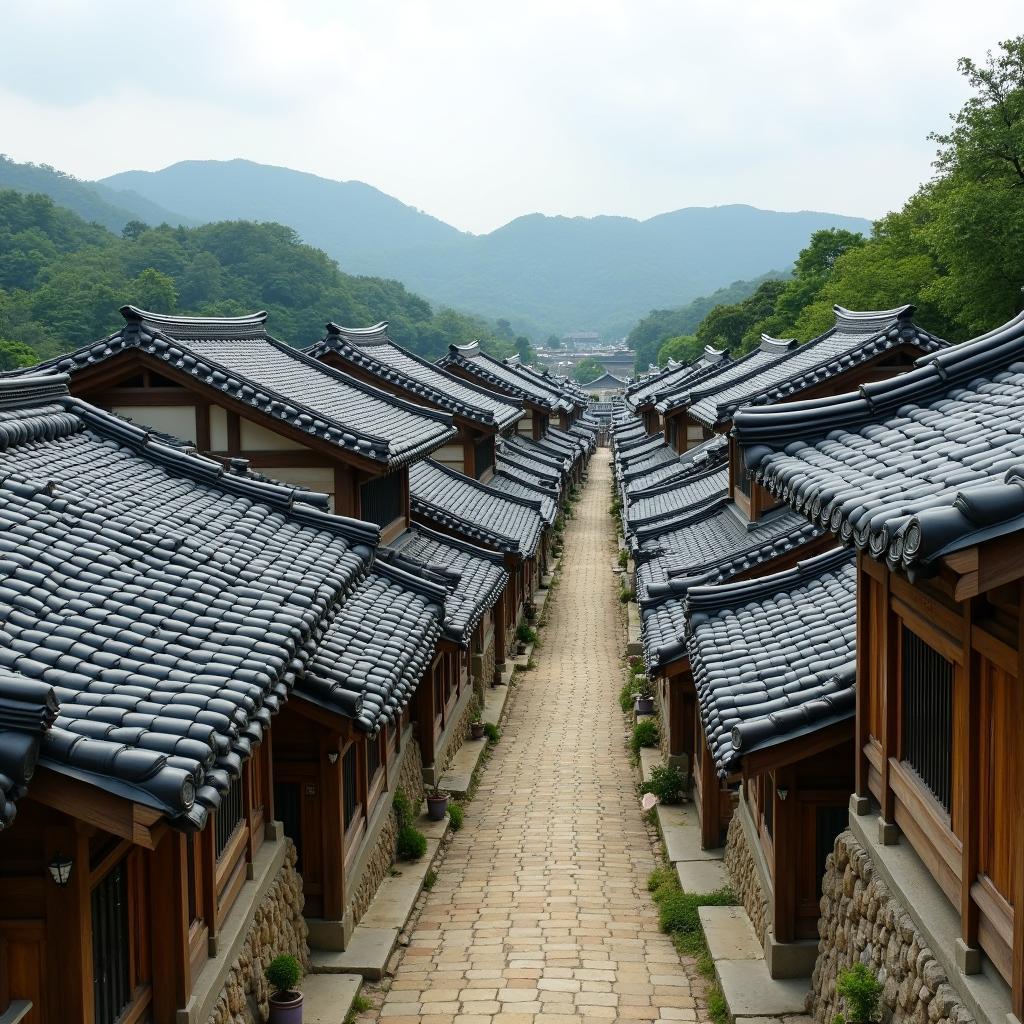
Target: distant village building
[577,340]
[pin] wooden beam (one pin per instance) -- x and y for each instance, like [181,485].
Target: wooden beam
[1017,816]
[782,755]
[864,638]
[786,847]
[332,820]
[965,765]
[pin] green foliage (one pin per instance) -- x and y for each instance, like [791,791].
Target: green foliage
[411,844]
[645,734]
[403,807]
[678,911]
[684,349]
[727,326]
[626,594]
[626,696]
[526,634]
[430,879]
[492,732]
[62,281]
[14,354]
[456,814]
[667,783]
[861,991]
[623,558]
[587,370]
[283,973]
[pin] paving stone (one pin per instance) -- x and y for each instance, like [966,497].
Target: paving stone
[729,934]
[702,875]
[750,991]
[540,913]
[327,998]
[367,954]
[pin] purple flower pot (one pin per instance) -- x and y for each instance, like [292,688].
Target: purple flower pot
[645,705]
[476,730]
[437,807]
[286,1008]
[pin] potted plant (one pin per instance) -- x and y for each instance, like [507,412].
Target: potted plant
[437,804]
[283,974]
[531,611]
[644,696]
[476,729]
[861,991]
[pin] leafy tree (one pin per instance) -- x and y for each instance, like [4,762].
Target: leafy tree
[588,369]
[684,349]
[133,229]
[728,326]
[14,354]
[553,342]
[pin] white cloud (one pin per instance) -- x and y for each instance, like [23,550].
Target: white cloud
[480,112]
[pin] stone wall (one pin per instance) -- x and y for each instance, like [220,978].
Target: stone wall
[380,859]
[481,668]
[861,920]
[457,733]
[744,875]
[277,927]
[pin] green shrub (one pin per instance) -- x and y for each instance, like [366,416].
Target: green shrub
[623,558]
[678,913]
[492,732]
[626,696]
[667,783]
[283,973]
[636,663]
[429,879]
[625,594]
[861,991]
[455,816]
[526,634]
[412,843]
[645,734]
[402,806]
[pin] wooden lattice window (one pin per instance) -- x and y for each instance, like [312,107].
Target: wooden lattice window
[381,500]
[229,815]
[927,716]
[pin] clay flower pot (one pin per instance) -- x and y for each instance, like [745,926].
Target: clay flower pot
[437,806]
[286,1008]
[476,730]
[644,705]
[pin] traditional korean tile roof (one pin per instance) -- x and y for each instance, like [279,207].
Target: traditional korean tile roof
[769,351]
[774,659]
[377,646]
[452,501]
[675,497]
[646,392]
[712,452]
[169,605]
[499,376]
[237,356]
[566,391]
[852,340]
[606,382]
[525,448]
[371,349]
[910,468]
[518,458]
[478,576]
[708,546]
[533,473]
[632,467]
[508,483]
[28,708]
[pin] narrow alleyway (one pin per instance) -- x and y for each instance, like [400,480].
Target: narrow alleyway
[540,912]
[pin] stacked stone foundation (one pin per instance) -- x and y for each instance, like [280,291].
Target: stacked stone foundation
[863,921]
[277,927]
[745,877]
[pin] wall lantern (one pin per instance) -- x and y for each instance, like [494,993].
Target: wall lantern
[333,757]
[783,792]
[60,869]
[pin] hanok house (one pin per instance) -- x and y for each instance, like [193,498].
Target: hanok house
[773,663]
[171,609]
[744,533]
[642,397]
[454,505]
[240,394]
[479,414]
[922,475]
[540,403]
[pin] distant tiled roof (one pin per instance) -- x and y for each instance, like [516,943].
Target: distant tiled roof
[508,483]
[28,708]
[568,393]
[774,658]
[659,455]
[376,648]
[712,452]
[710,545]
[480,576]
[853,339]
[912,467]
[526,448]
[495,374]
[675,497]
[770,351]
[371,349]
[235,355]
[517,458]
[646,391]
[606,382]
[481,514]
[170,605]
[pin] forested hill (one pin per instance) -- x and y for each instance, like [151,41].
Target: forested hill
[546,274]
[111,207]
[63,279]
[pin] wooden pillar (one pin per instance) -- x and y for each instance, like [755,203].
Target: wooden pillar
[332,823]
[865,635]
[1017,811]
[966,737]
[889,639]
[786,849]
[69,929]
[710,790]
[425,714]
[168,913]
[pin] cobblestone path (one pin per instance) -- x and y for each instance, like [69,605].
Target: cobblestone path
[540,913]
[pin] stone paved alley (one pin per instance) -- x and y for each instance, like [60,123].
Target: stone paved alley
[540,912]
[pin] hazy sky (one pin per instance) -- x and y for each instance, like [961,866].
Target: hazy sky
[480,111]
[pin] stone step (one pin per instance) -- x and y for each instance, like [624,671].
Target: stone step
[633,642]
[327,998]
[702,875]
[681,833]
[459,774]
[495,698]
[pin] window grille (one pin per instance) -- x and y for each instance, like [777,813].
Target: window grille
[111,970]
[381,500]
[350,783]
[229,815]
[483,456]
